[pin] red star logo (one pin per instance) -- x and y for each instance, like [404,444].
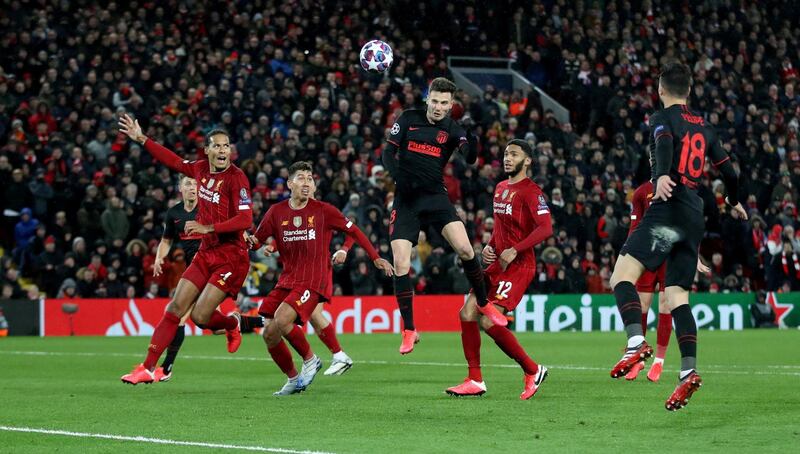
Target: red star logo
[781,310]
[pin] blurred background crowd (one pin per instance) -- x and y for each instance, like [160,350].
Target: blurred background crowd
[82,208]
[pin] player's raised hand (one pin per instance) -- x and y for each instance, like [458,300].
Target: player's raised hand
[385,266]
[737,211]
[339,257]
[488,255]
[157,266]
[507,257]
[131,128]
[664,186]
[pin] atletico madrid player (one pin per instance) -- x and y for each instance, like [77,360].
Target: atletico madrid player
[302,228]
[672,227]
[646,287]
[419,146]
[221,264]
[521,221]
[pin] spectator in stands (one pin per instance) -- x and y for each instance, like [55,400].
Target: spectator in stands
[762,313]
[280,104]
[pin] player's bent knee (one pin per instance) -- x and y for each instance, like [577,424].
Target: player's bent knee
[199,319]
[469,311]
[176,308]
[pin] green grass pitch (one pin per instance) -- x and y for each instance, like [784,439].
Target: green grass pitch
[387,403]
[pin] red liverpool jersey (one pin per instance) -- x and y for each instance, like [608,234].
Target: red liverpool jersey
[303,237]
[519,209]
[640,203]
[223,197]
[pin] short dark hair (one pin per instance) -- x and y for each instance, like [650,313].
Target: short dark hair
[443,85]
[216,132]
[526,147]
[298,166]
[676,78]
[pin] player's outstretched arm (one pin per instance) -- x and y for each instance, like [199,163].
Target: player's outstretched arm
[337,221]
[131,128]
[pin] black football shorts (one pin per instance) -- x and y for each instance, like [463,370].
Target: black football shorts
[410,213]
[670,231]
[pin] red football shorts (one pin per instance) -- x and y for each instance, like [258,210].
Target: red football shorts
[224,267]
[302,301]
[506,288]
[648,280]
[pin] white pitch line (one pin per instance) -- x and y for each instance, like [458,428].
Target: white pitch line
[160,441]
[716,368]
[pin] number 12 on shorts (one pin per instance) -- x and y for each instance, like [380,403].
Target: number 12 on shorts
[502,289]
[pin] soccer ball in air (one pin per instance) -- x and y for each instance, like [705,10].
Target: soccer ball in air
[376,56]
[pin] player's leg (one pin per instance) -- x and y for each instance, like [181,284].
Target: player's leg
[228,270]
[280,353]
[663,332]
[185,293]
[301,305]
[680,274]
[404,292]
[627,271]
[326,332]
[273,338]
[686,334]
[508,343]
[646,298]
[456,234]
[473,385]
[205,315]
[164,372]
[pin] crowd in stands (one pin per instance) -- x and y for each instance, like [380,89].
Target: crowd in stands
[82,207]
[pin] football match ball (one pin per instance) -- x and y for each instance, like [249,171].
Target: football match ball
[376,56]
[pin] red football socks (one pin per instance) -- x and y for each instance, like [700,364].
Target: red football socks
[162,337]
[471,341]
[283,358]
[328,337]
[510,345]
[297,338]
[219,321]
[663,333]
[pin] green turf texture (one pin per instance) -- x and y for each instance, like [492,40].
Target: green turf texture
[750,399]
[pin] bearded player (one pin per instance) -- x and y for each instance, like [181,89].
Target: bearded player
[302,228]
[221,264]
[521,221]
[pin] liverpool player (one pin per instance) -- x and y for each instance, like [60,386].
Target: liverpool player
[646,288]
[341,361]
[302,228]
[672,227]
[174,227]
[221,263]
[521,221]
[419,146]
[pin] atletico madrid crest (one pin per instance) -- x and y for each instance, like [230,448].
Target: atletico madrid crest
[441,136]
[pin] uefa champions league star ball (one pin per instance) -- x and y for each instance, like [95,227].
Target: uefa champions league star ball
[376,56]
